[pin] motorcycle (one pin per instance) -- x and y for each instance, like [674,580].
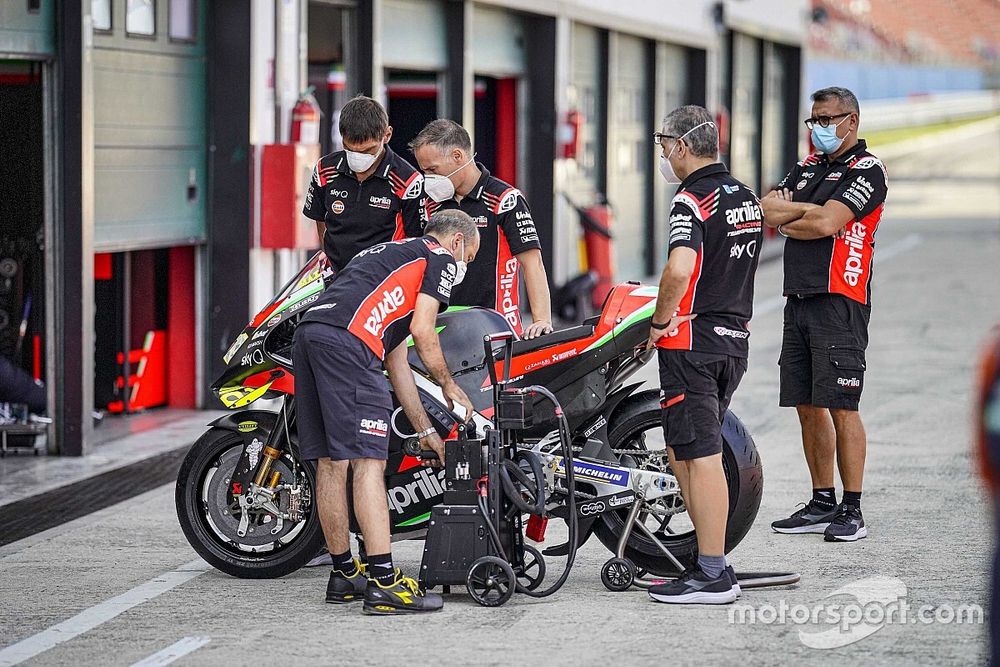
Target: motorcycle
[246,501]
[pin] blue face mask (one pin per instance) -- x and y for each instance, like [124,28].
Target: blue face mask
[826,139]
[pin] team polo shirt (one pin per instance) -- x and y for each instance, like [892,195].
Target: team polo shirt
[373,297]
[506,229]
[383,207]
[721,220]
[858,180]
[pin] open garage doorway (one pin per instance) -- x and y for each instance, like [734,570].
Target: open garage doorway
[496,126]
[412,102]
[22,218]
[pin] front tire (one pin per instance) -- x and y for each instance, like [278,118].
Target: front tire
[744,476]
[207,516]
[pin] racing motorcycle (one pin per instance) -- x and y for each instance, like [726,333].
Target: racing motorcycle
[246,501]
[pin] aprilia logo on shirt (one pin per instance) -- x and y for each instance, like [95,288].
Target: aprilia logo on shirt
[855,242]
[392,300]
[380,202]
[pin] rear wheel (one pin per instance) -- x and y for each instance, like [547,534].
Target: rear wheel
[210,516]
[636,426]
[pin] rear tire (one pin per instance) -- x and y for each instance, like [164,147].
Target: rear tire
[211,455]
[744,475]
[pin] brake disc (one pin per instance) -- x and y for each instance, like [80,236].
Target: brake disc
[224,518]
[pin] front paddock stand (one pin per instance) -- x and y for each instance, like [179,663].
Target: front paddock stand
[620,574]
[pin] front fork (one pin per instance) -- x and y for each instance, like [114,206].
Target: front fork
[263,493]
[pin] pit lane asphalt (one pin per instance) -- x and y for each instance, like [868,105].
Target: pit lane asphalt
[935,300]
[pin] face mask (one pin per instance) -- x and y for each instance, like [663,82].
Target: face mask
[461,266]
[667,169]
[826,139]
[362,162]
[440,188]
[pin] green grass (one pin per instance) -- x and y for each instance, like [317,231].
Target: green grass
[885,137]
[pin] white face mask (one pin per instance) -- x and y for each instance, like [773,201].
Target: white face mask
[667,169]
[461,266]
[440,188]
[362,162]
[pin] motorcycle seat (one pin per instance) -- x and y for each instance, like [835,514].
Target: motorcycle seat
[554,338]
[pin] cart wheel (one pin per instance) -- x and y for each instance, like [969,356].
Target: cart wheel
[617,574]
[534,569]
[491,581]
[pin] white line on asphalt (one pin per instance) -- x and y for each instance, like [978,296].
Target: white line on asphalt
[173,652]
[88,619]
[884,254]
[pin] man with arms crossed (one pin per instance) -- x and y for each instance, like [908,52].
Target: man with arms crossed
[829,207]
[700,326]
[358,327]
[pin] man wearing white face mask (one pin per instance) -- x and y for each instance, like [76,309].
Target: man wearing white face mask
[701,331]
[829,207]
[454,180]
[365,194]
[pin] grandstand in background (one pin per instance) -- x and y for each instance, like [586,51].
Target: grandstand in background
[885,49]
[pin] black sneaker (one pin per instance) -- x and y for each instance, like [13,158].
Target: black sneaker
[847,526]
[347,588]
[734,581]
[402,596]
[696,587]
[809,519]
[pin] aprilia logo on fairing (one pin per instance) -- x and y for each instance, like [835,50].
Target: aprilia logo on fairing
[425,486]
[392,300]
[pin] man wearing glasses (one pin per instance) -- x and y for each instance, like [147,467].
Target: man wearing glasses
[828,207]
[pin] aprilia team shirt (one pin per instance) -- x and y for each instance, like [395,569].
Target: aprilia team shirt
[383,207]
[719,218]
[858,180]
[506,229]
[374,296]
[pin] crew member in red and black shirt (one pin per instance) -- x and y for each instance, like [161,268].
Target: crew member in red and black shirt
[365,194]
[453,180]
[701,329]
[357,328]
[829,207]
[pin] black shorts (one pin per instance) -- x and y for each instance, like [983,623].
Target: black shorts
[696,389]
[342,397]
[823,352]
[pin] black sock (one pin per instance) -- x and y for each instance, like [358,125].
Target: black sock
[852,498]
[344,563]
[380,568]
[824,499]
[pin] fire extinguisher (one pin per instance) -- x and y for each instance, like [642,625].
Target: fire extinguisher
[305,119]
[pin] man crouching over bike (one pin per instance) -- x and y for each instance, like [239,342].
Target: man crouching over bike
[358,326]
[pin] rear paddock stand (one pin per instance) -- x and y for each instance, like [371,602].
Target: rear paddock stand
[620,574]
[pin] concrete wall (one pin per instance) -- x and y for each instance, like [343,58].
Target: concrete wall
[882,81]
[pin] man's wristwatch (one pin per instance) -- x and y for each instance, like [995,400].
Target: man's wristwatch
[426,432]
[655,325]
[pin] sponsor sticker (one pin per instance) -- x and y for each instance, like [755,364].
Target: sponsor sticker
[234,347]
[246,427]
[337,207]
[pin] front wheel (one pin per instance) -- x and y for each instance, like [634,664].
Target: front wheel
[636,426]
[210,516]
